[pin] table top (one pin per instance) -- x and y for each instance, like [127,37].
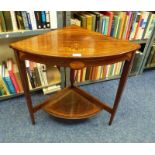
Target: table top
[72,42]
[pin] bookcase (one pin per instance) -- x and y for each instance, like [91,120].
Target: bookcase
[138,26]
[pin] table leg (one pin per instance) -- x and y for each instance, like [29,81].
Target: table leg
[122,82]
[23,75]
[72,77]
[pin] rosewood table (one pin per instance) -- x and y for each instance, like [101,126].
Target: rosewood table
[73,47]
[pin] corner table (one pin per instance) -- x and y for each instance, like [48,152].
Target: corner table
[73,47]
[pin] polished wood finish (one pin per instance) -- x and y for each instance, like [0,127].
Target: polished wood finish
[76,48]
[72,103]
[73,42]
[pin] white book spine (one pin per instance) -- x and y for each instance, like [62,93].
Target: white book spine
[150,26]
[14,22]
[107,73]
[53,19]
[33,20]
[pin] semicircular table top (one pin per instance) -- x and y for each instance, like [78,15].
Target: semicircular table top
[73,41]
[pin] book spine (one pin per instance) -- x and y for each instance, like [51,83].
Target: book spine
[60,19]
[2,23]
[33,20]
[139,20]
[14,22]
[47,19]
[3,86]
[29,20]
[38,19]
[43,19]
[14,81]
[19,20]
[150,27]
[8,21]
[9,84]
[53,19]
[24,16]
[68,17]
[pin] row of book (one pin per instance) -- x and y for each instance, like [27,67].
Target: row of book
[120,24]
[27,20]
[151,59]
[38,76]
[107,71]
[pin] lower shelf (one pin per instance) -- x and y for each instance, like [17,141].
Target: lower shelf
[72,103]
[5,97]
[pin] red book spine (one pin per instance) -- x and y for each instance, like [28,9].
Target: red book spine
[14,81]
[138,27]
[129,28]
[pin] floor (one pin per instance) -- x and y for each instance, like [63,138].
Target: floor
[134,121]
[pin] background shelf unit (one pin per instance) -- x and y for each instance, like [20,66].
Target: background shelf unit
[5,97]
[7,37]
[22,33]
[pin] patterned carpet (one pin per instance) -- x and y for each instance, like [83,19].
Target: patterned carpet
[134,121]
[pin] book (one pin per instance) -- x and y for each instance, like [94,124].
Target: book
[148,63]
[150,26]
[38,19]
[153,57]
[48,19]
[60,19]
[122,16]
[75,22]
[53,19]
[7,79]
[8,21]
[110,15]
[3,88]
[25,20]
[82,18]
[19,19]
[140,32]
[17,76]
[89,21]
[43,19]
[12,76]
[31,20]
[2,22]
[136,63]
[13,20]
[68,17]
[139,19]
[97,22]
[117,21]
[29,73]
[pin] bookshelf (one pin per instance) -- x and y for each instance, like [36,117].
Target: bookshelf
[22,33]
[149,50]
[61,19]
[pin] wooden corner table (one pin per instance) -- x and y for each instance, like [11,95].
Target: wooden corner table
[73,47]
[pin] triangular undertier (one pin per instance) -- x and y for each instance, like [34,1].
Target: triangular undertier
[72,103]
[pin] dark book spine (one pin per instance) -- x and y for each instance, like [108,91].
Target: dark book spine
[43,19]
[8,22]
[30,77]
[25,20]
[2,22]
[48,19]
[29,20]
[68,18]
[60,19]
[19,19]
[38,19]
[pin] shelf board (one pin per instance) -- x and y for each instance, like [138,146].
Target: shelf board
[139,41]
[5,97]
[149,67]
[22,33]
[101,80]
